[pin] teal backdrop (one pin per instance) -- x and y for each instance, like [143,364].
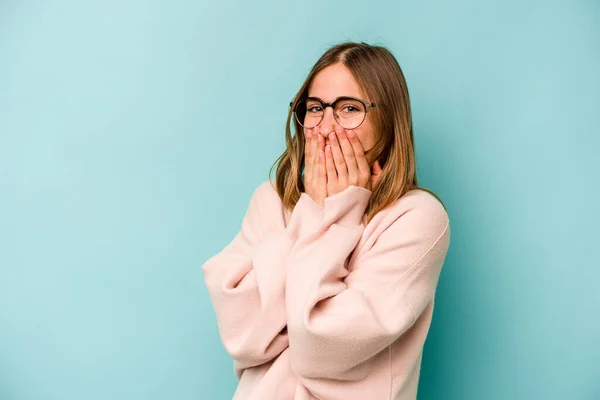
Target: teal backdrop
[132,135]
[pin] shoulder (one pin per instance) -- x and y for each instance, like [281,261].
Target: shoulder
[421,213]
[423,202]
[266,193]
[265,206]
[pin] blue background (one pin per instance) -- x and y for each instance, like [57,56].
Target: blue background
[132,135]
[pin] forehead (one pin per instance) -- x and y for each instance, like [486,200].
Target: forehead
[334,81]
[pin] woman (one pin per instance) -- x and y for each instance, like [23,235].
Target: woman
[327,291]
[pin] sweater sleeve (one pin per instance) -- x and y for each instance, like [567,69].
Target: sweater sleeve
[246,281]
[338,320]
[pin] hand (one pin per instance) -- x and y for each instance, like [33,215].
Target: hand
[346,164]
[315,175]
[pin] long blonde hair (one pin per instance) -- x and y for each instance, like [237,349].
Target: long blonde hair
[379,75]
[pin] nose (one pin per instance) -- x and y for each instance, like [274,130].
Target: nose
[328,123]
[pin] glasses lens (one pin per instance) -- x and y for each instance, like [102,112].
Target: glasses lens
[309,113]
[350,113]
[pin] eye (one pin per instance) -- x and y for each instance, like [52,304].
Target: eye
[350,108]
[314,109]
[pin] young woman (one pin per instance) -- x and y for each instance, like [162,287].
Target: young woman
[327,290]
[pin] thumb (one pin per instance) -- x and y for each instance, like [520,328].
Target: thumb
[375,173]
[376,168]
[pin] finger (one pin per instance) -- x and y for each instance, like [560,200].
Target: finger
[314,161]
[316,151]
[338,158]
[330,165]
[348,152]
[307,137]
[307,154]
[322,173]
[362,163]
[323,167]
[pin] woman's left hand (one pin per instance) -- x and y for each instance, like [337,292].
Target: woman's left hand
[346,163]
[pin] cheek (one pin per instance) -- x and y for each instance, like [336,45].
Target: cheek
[366,136]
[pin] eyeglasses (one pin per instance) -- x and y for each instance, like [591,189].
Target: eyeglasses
[349,112]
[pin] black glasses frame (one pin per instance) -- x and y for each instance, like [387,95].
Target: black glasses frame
[367,105]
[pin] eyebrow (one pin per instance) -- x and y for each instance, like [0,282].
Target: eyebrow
[337,98]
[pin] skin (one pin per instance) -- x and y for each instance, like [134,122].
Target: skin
[334,156]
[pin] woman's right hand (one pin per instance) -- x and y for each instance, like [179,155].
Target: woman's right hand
[315,174]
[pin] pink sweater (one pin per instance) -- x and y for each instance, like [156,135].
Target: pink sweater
[313,304]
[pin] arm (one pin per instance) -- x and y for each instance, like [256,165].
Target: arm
[339,319]
[246,282]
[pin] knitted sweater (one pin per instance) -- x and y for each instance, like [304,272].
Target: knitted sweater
[313,304]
